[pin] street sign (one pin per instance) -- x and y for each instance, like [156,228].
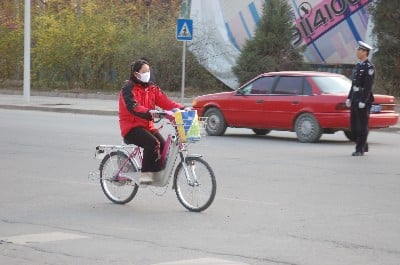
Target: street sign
[184,32]
[184,29]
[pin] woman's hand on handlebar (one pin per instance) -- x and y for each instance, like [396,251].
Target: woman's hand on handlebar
[158,114]
[184,109]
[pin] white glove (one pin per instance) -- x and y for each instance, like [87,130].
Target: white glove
[361,105]
[348,103]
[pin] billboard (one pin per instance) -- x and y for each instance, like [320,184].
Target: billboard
[329,29]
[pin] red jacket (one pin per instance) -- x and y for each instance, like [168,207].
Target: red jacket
[135,100]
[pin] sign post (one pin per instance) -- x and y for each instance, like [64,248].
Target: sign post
[184,32]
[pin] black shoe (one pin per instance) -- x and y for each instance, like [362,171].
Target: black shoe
[357,153]
[366,148]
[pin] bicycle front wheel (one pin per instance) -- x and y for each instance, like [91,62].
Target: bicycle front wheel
[196,186]
[116,177]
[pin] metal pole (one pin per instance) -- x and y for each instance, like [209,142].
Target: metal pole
[183,72]
[148,19]
[27,50]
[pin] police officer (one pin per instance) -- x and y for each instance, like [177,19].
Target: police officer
[360,98]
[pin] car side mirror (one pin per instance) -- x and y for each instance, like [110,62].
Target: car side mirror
[239,92]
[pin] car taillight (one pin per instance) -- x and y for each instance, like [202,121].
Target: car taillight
[388,107]
[341,106]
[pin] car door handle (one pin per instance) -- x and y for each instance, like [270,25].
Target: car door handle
[295,102]
[259,101]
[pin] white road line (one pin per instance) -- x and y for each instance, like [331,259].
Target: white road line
[203,261]
[41,238]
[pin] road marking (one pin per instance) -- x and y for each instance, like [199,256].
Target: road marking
[203,261]
[41,238]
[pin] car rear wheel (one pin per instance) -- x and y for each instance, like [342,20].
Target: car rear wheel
[307,128]
[261,131]
[216,124]
[349,135]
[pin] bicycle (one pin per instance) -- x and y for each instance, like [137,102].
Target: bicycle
[193,178]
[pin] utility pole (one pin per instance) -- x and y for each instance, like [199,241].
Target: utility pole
[148,4]
[27,51]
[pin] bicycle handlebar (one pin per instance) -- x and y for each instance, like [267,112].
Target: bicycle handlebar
[169,114]
[158,114]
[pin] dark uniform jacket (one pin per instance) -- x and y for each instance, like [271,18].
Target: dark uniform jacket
[363,78]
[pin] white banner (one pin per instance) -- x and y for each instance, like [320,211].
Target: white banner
[329,28]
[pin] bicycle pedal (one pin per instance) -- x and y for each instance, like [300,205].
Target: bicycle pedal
[146,177]
[144,184]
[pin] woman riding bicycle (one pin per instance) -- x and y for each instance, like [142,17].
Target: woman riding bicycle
[136,99]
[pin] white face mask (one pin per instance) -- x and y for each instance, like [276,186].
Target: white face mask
[144,77]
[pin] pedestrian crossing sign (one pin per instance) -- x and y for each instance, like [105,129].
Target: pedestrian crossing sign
[184,29]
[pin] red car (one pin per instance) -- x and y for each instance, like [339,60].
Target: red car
[308,103]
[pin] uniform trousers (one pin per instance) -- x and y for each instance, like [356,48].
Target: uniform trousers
[359,125]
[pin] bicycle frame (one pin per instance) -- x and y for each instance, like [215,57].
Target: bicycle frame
[193,178]
[172,149]
[170,152]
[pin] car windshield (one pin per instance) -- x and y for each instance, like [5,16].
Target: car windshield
[332,84]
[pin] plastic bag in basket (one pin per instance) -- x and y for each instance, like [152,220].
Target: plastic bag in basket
[187,123]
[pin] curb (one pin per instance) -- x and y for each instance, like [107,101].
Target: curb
[53,101]
[61,110]
[81,95]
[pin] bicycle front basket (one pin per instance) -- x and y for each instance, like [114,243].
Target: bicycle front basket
[187,123]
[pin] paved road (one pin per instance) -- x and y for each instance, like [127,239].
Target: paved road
[278,201]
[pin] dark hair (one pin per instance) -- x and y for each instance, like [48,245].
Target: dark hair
[135,66]
[364,49]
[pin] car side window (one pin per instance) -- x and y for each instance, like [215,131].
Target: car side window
[245,90]
[263,85]
[307,89]
[289,85]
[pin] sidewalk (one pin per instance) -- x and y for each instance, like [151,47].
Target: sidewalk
[97,104]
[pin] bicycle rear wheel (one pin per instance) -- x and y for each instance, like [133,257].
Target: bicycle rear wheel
[118,188]
[196,190]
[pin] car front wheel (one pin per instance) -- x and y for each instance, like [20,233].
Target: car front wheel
[216,124]
[307,128]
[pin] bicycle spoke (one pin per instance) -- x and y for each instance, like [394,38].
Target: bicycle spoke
[196,186]
[116,172]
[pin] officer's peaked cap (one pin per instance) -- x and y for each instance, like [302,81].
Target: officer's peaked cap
[364,46]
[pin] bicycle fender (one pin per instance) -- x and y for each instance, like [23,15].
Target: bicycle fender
[188,157]
[132,159]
